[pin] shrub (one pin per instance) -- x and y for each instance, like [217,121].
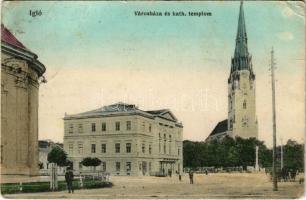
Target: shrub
[32,187]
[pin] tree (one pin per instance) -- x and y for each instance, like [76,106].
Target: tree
[225,152]
[233,157]
[294,155]
[91,162]
[58,155]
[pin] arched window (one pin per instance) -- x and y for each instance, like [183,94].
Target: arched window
[244,104]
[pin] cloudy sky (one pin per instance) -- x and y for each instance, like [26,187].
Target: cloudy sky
[99,53]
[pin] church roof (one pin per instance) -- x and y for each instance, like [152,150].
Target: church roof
[220,128]
[242,60]
[8,37]
[123,109]
[241,38]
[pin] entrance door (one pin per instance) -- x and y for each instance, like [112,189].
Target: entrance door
[144,168]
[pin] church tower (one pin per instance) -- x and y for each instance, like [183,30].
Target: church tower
[242,120]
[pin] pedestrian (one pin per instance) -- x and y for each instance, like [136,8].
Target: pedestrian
[180,177]
[69,179]
[191,176]
[81,180]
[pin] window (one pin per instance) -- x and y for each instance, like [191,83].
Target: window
[128,125]
[93,148]
[80,128]
[128,166]
[143,148]
[117,166]
[103,148]
[103,166]
[150,128]
[170,139]
[80,165]
[165,140]
[117,126]
[93,127]
[178,151]
[159,146]
[128,147]
[103,126]
[80,149]
[143,126]
[150,149]
[149,166]
[70,128]
[244,104]
[70,148]
[117,147]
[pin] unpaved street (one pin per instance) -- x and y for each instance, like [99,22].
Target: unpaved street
[221,185]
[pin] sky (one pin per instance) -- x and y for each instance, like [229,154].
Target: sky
[100,53]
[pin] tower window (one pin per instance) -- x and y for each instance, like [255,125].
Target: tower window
[244,104]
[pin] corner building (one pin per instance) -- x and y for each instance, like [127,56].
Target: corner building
[127,140]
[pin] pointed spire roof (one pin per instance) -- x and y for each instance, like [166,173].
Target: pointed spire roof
[242,60]
[241,49]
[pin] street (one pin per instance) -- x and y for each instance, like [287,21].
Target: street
[219,185]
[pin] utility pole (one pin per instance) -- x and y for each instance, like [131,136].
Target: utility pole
[274,123]
[282,154]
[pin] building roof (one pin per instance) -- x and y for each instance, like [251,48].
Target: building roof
[12,46]
[48,144]
[220,128]
[8,37]
[242,59]
[120,108]
[241,38]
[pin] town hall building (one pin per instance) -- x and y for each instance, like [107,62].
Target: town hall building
[128,140]
[242,120]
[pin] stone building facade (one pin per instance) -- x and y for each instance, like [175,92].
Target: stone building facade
[242,120]
[20,74]
[127,140]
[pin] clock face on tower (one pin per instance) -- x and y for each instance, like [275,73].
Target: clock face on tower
[244,121]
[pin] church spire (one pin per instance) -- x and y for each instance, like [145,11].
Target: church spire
[242,58]
[241,38]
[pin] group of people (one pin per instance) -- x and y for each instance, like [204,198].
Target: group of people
[69,179]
